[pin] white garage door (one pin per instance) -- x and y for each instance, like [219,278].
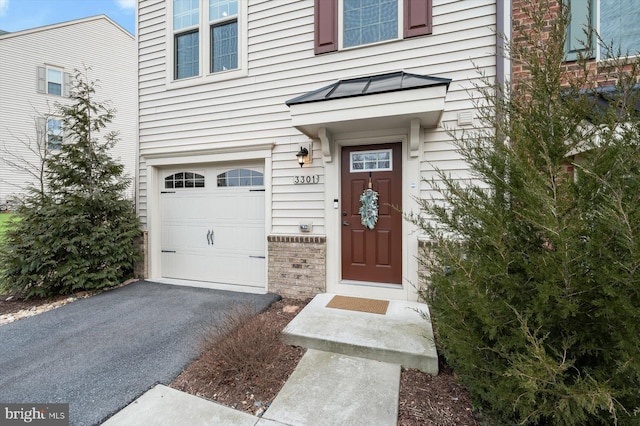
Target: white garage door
[213,225]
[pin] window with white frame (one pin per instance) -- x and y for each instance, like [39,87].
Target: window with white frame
[184,180]
[206,32]
[614,20]
[619,25]
[54,134]
[368,161]
[53,81]
[223,18]
[240,177]
[369,21]
[342,24]
[186,38]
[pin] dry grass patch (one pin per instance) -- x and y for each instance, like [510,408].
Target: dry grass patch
[243,363]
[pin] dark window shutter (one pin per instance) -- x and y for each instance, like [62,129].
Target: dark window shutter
[326,26]
[582,18]
[41,86]
[417,18]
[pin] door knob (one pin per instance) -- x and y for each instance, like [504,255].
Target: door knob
[345,223]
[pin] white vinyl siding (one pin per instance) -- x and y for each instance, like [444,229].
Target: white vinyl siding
[281,65]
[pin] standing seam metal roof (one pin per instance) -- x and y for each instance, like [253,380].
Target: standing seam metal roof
[362,86]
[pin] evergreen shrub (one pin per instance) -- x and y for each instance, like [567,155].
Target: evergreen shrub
[532,273]
[80,233]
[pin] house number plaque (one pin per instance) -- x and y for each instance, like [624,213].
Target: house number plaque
[305,180]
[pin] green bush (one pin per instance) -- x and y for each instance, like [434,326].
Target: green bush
[4,221]
[532,275]
[80,233]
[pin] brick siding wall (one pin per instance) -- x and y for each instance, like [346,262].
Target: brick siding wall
[297,265]
[141,268]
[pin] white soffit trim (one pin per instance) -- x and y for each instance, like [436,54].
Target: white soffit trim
[221,152]
[371,112]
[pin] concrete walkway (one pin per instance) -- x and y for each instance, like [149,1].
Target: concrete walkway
[354,379]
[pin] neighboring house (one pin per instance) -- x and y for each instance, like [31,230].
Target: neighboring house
[232,93]
[616,25]
[615,22]
[36,70]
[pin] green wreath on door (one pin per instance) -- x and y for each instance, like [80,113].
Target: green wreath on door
[369,208]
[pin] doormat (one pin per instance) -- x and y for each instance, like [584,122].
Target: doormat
[359,304]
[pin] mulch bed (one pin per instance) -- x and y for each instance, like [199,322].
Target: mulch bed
[14,305]
[434,400]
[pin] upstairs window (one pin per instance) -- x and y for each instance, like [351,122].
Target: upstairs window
[350,23]
[54,134]
[53,81]
[369,21]
[619,24]
[186,21]
[207,38]
[615,20]
[223,17]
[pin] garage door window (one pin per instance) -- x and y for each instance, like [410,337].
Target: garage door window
[184,180]
[240,177]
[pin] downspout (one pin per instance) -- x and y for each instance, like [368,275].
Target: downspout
[503,34]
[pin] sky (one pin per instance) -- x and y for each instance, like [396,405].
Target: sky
[16,15]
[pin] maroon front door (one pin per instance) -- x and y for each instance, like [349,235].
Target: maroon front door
[373,255]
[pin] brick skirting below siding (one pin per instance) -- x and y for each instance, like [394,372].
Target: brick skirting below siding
[297,265]
[141,268]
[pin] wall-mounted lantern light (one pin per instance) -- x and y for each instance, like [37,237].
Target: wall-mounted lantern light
[303,156]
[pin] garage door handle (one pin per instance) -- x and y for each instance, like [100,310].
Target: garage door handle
[210,237]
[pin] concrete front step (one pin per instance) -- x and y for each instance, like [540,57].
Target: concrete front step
[401,336]
[334,389]
[164,406]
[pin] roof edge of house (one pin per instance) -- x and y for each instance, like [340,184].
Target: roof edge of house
[65,24]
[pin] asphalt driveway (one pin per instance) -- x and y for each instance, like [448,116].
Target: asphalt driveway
[99,354]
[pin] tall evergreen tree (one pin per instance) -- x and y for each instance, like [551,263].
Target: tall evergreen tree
[82,233]
[532,277]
